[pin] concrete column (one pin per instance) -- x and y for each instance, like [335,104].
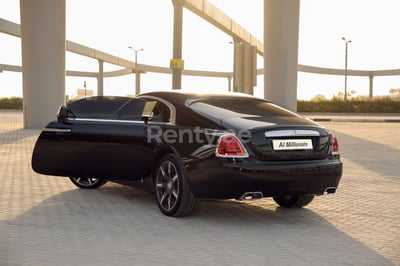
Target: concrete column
[245,68]
[281,34]
[100,79]
[371,86]
[177,43]
[43,60]
[238,61]
[250,69]
[137,82]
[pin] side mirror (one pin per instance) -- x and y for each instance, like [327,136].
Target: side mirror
[145,119]
[63,114]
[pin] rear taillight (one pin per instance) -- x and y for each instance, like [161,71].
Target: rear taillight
[230,146]
[335,144]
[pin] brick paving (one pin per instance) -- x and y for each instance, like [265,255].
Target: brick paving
[46,220]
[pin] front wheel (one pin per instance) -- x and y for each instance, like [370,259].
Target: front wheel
[293,201]
[173,195]
[88,183]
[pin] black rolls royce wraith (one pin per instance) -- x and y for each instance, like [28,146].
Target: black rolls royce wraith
[191,146]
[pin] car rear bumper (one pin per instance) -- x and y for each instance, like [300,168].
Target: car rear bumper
[224,180]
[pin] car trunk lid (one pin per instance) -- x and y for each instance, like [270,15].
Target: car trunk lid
[286,143]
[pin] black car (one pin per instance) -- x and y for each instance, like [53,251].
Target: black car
[191,146]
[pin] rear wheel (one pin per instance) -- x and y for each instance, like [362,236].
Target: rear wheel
[173,195]
[89,183]
[293,201]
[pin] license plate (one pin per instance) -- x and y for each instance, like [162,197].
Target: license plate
[292,144]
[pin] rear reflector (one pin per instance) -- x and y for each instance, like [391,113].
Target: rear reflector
[335,144]
[230,146]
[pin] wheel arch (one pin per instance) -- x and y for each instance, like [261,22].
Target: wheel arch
[160,153]
[172,185]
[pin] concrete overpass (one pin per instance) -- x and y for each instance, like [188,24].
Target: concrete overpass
[128,67]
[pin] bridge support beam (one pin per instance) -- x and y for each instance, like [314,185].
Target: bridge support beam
[137,82]
[100,79]
[245,68]
[177,44]
[281,33]
[43,60]
[371,86]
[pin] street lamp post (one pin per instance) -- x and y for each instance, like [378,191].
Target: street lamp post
[345,66]
[136,53]
[137,73]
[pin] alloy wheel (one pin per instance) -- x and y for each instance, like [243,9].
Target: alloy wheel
[88,182]
[167,185]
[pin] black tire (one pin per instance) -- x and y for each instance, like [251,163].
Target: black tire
[173,195]
[293,201]
[87,183]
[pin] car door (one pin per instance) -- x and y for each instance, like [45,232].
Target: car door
[109,148]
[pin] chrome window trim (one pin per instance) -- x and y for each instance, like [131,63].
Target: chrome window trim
[57,130]
[292,133]
[112,121]
[159,123]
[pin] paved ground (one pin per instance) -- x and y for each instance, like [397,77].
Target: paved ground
[45,220]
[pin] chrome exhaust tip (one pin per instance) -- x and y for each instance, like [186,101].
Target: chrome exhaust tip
[329,190]
[256,195]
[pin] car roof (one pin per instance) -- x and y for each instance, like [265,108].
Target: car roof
[181,97]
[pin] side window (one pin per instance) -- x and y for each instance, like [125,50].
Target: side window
[161,113]
[97,107]
[157,111]
[132,110]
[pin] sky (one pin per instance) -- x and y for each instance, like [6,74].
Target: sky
[112,26]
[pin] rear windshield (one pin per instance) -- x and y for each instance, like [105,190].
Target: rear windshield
[222,108]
